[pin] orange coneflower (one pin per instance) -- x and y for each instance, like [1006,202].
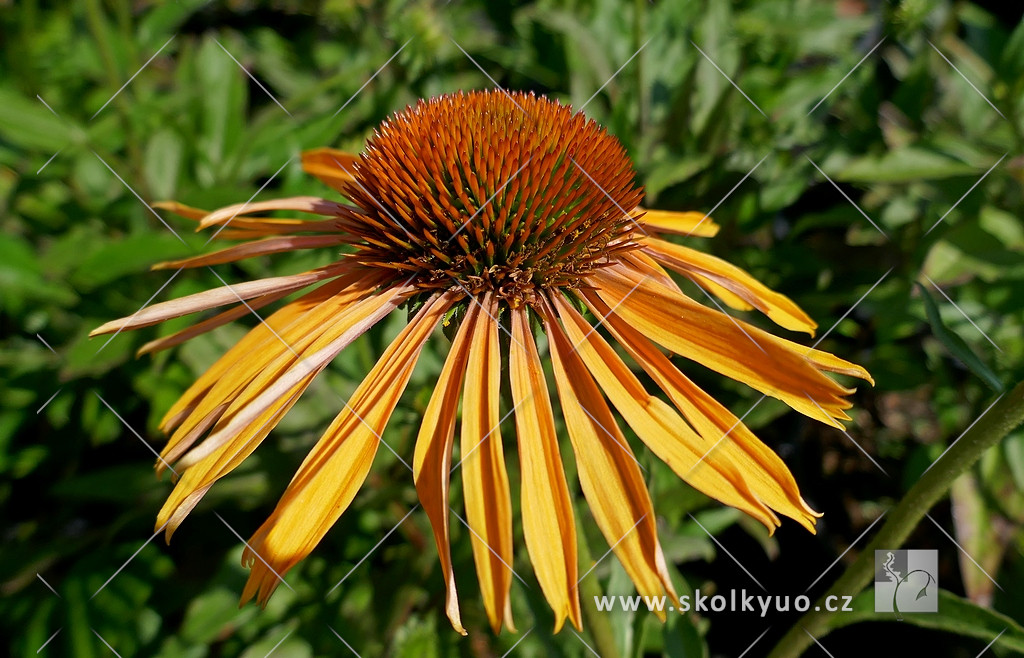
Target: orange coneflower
[496,212]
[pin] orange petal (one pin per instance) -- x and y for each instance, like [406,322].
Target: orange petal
[253,249]
[657,425]
[485,480]
[724,344]
[432,462]
[609,473]
[331,166]
[705,268]
[681,223]
[310,204]
[261,405]
[336,467]
[766,474]
[230,294]
[548,522]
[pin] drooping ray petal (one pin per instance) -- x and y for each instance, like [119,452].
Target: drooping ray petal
[310,204]
[765,472]
[706,267]
[300,320]
[681,223]
[247,227]
[254,249]
[236,438]
[608,471]
[722,343]
[335,468]
[433,457]
[657,424]
[484,478]
[331,166]
[548,521]
[209,324]
[230,294]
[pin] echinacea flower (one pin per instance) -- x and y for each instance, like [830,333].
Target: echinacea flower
[494,214]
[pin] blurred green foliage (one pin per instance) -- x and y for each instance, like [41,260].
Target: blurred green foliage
[923,183]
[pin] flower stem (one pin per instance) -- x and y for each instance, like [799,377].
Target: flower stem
[1000,420]
[596,622]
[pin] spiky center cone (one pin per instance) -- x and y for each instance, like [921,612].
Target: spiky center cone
[510,193]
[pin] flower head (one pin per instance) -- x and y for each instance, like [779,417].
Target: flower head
[504,211]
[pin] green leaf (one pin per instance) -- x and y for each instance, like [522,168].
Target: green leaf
[904,165]
[955,344]
[955,615]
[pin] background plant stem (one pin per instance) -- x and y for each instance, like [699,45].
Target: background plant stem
[1000,420]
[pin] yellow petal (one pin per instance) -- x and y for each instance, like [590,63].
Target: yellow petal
[432,461]
[609,473]
[682,223]
[724,344]
[548,523]
[331,166]
[657,425]
[485,480]
[264,401]
[766,474]
[336,467]
[707,268]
